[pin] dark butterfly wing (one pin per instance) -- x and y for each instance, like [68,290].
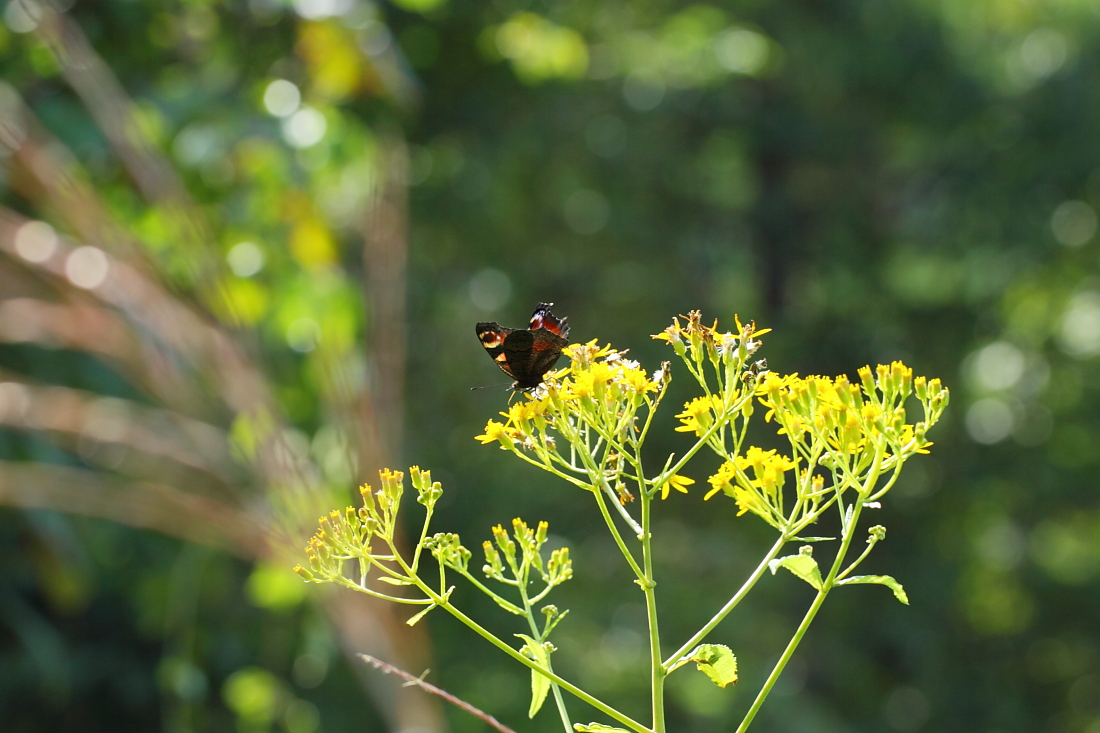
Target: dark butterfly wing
[529,355]
[492,337]
[526,355]
[543,318]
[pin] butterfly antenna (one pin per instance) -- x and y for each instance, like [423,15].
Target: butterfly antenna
[487,386]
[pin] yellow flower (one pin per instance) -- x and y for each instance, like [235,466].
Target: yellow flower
[580,386]
[748,501]
[697,415]
[494,431]
[768,467]
[677,482]
[582,355]
[722,481]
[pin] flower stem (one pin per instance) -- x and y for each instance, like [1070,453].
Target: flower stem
[657,670]
[529,613]
[848,532]
[701,634]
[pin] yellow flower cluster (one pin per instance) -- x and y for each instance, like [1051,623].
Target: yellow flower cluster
[349,534]
[759,493]
[705,341]
[853,420]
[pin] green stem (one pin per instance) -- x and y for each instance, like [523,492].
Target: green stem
[657,670]
[423,535]
[703,440]
[484,633]
[730,605]
[849,529]
[536,635]
[610,521]
[778,669]
[568,686]
[500,600]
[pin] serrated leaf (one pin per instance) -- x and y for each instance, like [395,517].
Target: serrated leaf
[893,585]
[540,684]
[597,728]
[413,621]
[803,565]
[717,662]
[393,581]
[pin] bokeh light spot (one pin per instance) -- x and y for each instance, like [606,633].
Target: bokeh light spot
[586,211]
[245,259]
[301,716]
[989,421]
[303,335]
[253,694]
[1000,365]
[1068,550]
[1073,223]
[305,128]
[282,98]
[22,16]
[309,670]
[36,241]
[1043,52]
[87,267]
[275,587]
[643,92]
[741,51]
[1079,332]
[490,289]
[319,9]
[906,709]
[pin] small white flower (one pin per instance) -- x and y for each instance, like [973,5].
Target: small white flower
[728,343]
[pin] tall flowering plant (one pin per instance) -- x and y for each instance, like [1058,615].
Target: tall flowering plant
[588,424]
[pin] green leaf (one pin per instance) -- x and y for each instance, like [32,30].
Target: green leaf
[540,684]
[413,621]
[803,565]
[717,662]
[597,728]
[886,580]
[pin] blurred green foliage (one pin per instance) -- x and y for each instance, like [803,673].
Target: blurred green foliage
[874,180]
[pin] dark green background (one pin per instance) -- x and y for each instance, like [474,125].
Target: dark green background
[884,185]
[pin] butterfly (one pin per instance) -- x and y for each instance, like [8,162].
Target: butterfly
[526,354]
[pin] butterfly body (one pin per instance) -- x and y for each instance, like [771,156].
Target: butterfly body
[526,354]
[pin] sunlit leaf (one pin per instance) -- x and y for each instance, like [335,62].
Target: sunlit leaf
[416,618]
[540,684]
[886,580]
[803,565]
[717,662]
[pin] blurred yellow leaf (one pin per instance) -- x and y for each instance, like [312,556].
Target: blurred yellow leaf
[245,301]
[334,62]
[312,244]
